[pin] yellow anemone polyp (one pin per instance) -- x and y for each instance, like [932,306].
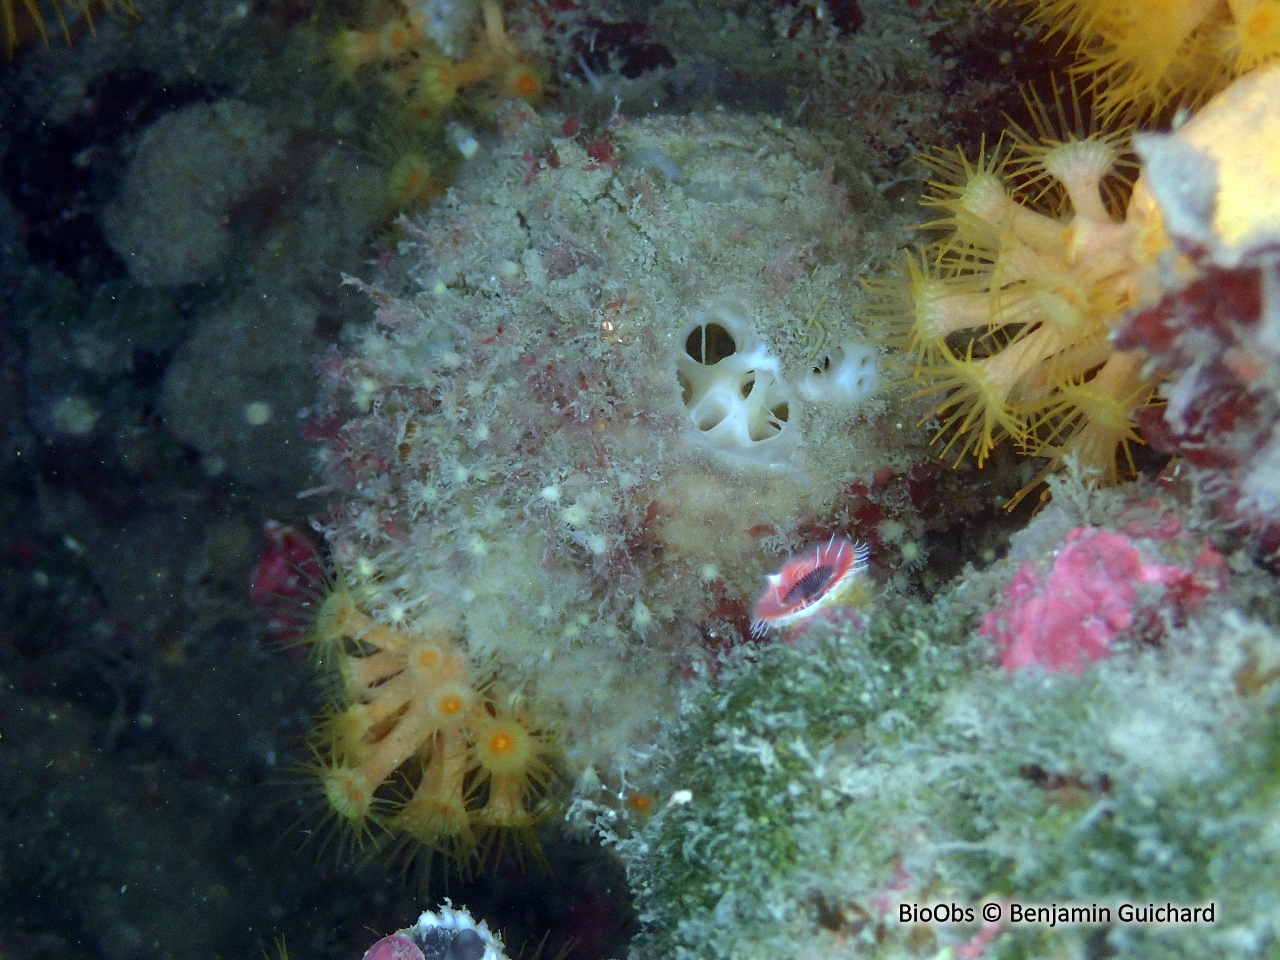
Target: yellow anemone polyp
[413,65]
[338,618]
[1009,311]
[1141,57]
[21,30]
[412,180]
[419,744]
[522,80]
[452,705]
[349,794]
[439,820]
[505,747]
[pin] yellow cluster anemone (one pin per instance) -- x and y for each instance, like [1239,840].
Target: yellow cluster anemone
[421,747]
[1143,56]
[413,65]
[1006,314]
[24,20]
[412,181]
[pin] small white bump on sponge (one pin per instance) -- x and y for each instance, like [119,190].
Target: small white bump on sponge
[845,375]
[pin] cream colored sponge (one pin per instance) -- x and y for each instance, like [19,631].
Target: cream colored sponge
[732,387]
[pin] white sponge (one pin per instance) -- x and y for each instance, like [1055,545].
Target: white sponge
[732,388]
[845,375]
[737,400]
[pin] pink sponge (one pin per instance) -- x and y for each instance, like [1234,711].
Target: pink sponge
[1064,617]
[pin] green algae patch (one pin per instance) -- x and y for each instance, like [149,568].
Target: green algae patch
[815,789]
[763,770]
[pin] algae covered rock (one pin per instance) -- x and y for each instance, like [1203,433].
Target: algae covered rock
[611,381]
[234,388]
[171,221]
[868,789]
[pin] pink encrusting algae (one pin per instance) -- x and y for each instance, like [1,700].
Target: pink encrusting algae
[1066,617]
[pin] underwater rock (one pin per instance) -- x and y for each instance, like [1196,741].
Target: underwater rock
[624,377]
[171,222]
